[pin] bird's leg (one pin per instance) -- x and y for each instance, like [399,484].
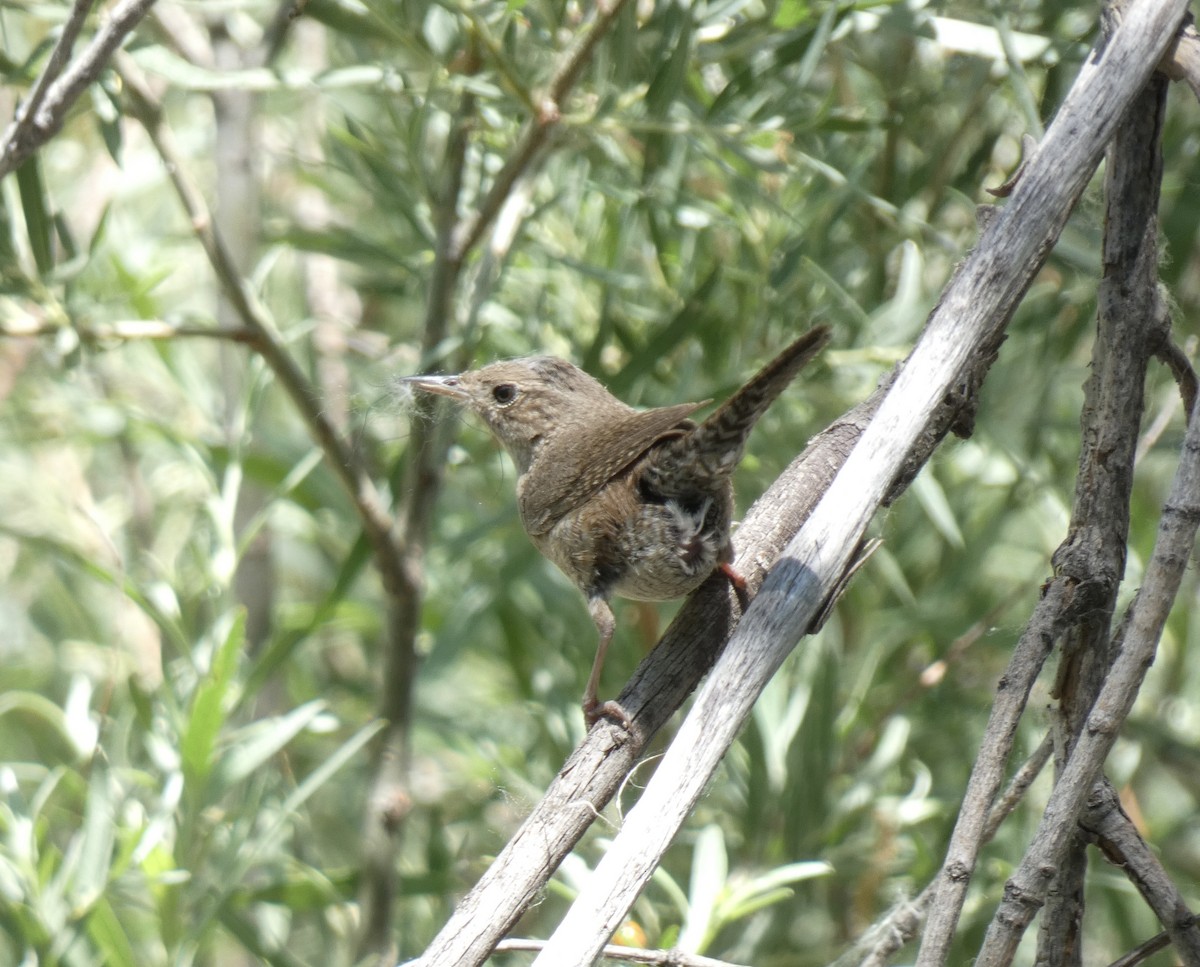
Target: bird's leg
[738,582]
[593,708]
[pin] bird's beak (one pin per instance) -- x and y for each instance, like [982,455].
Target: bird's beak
[441,385]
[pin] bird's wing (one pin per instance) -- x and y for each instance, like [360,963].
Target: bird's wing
[566,475]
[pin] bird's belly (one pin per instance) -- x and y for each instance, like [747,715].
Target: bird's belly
[670,552]
[618,544]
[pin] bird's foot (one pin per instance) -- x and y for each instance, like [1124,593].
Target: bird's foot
[738,582]
[595,710]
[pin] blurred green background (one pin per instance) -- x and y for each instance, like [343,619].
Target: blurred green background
[184,751]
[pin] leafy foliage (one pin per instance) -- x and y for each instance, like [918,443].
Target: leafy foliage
[178,790]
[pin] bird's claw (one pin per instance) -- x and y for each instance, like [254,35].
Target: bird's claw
[594,711]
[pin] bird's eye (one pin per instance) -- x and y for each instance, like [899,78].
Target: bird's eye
[504,394]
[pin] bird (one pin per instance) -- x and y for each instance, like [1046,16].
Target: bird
[630,503]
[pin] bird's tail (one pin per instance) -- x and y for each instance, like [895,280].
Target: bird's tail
[726,429]
[702,461]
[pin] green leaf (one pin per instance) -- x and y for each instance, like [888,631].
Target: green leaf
[38,221]
[928,490]
[791,13]
[674,57]
[354,19]
[106,108]
[43,722]
[95,840]
[710,867]
[210,706]
[256,743]
[109,936]
[766,888]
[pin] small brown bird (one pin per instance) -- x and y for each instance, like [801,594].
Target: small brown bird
[624,502]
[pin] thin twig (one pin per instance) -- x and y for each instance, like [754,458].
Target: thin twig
[59,57]
[425,454]
[1179,361]
[1143,951]
[537,129]
[26,134]
[286,14]
[636,955]
[368,503]
[1182,59]
[125,330]
[1123,846]
[1055,612]
[183,35]
[1022,779]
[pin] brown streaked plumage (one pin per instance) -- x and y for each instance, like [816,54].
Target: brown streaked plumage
[624,502]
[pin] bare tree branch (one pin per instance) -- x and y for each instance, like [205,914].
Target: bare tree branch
[1143,951]
[367,501]
[59,57]
[1088,565]
[1179,362]
[1055,612]
[1137,639]
[1181,62]
[1125,848]
[33,128]
[1131,323]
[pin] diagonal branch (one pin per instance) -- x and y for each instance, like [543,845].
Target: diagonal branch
[59,57]
[123,330]
[537,129]
[633,955]
[367,501]
[1124,846]
[47,110]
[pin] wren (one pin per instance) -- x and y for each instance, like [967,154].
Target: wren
[625,502]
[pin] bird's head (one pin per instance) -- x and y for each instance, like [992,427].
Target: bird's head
[525,401]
